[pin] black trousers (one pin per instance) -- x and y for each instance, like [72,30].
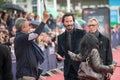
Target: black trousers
[72,74]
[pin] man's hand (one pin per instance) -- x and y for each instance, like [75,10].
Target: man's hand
[108,76]
[45,16]
[59,57]
[69,52]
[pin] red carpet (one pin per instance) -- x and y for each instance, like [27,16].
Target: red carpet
[115,76]
[116,57]
[57,76]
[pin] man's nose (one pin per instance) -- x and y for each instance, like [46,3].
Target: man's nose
[69,22]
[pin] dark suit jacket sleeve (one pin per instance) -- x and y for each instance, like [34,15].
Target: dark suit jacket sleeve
[60,51]
[40,28]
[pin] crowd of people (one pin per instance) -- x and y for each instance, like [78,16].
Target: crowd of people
[19,31]
[115,36]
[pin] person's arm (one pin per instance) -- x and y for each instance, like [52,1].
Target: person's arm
[40,28]
[37,32]
[97,65]
[60,58]
[59,52]
[75,57]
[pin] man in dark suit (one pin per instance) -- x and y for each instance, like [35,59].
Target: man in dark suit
[69,40]
[26,51]
[104,42]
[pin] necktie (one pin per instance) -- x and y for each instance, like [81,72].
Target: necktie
[69,41]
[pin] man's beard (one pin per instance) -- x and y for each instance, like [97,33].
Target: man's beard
[69,27]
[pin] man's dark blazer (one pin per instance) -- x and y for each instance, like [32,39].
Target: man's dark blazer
[105,49]
[62,48]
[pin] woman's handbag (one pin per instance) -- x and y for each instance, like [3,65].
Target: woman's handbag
[86,72]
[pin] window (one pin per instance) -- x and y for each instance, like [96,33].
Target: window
[21,1]
[34,1]
[34,9]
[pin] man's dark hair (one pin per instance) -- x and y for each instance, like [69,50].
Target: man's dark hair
[68,14]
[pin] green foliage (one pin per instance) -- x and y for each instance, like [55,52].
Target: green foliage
[5,1]
[1,2]
[79,14]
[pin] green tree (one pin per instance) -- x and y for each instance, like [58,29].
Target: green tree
[5,1]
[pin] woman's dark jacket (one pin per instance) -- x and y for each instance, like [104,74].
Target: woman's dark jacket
[5,63]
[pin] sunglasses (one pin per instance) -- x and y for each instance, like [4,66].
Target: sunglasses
[92,25]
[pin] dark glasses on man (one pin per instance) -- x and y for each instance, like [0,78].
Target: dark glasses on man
[92,25]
